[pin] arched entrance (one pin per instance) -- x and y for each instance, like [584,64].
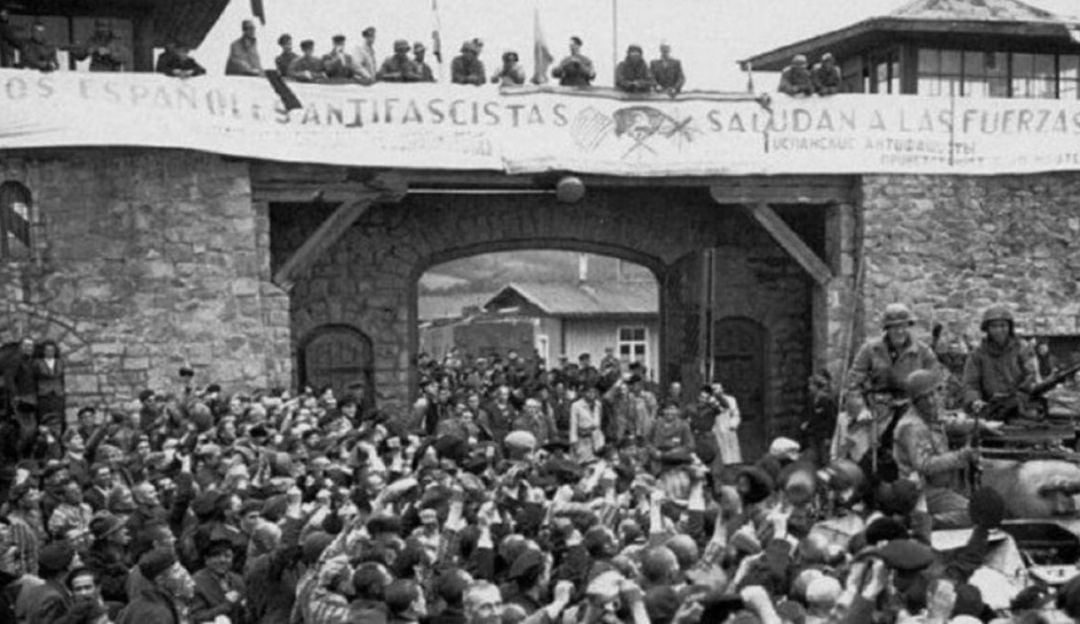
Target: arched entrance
[367,278]
[339,357]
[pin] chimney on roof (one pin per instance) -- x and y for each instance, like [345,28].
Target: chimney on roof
[582,268]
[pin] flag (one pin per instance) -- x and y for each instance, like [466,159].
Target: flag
[542,58]
[436,34]
[259,11]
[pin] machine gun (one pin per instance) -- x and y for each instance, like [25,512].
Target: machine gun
[1030,406]
[1038,392]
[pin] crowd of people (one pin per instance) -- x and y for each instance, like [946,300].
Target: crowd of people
[509,492]
[359,65]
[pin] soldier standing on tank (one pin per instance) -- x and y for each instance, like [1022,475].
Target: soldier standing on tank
[1000,368]
[882,365]
[922,454]
[879,374]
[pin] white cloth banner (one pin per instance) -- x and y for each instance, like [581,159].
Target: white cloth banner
[438,126]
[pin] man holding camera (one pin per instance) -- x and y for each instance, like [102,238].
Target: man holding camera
[575,70]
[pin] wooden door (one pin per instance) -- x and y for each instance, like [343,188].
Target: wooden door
[339,357]
[739,364]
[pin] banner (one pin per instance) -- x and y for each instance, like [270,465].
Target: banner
[535,129]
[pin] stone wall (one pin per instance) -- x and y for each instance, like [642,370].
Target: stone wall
[367,280]
[149,260]
[951,246]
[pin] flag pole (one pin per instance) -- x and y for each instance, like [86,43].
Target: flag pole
[614,35]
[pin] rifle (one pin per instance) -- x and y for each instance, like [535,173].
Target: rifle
[1050,383]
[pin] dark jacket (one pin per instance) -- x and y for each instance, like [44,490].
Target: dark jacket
[152,605]
[210,600]
[465,70]
[48,603]
[109,561]
[998,370]
[272,579]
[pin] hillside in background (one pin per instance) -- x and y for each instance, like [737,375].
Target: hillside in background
[490,272]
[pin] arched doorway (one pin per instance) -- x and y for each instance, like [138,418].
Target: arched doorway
[739,348]
[340,357]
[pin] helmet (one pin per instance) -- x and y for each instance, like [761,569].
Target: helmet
[996,313]
[921,383]
[897,314]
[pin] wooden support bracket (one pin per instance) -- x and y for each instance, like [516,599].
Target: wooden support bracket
[383,189]
[767,218]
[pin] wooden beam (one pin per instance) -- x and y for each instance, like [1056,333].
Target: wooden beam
[383,190]
[790,242]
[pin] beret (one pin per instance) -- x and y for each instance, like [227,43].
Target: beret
[520,440]
[784,447]
[155,562]
[55,557]
[104,524]
[526,563]
[906,555]
[885,529]
[761,484]
[313,546]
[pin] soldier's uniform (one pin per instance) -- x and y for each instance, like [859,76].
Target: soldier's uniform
[999,371]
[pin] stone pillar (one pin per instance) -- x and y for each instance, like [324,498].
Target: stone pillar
[835,308]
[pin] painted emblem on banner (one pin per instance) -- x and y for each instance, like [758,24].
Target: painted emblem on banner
[643,127]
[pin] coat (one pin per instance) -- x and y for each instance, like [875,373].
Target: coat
[47,603]
[874,370]
[727,432]
[152,605]
[210,600]
[922,452]
[992,370]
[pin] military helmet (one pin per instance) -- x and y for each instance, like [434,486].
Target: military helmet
[896,314]
[996,313]
[921,383]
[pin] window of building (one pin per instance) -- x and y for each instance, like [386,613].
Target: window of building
[66,32]
[885,75]
[15,220]
[977,73]
[543,347]
[1034,75]
[1069,76]
[853,77]
[633,344]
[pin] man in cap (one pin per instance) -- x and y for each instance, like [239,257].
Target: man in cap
[632,74]
[795,78]
[825,76]
[104,48]
[39,54]
[575,70]
[285,60]
[243,61]
[157,603]
[422,68]
[922,452]
[365,63]
[399,67]
[467,68]
[108,555]
[218,590]
[882,366]
[51,600]
[511,74]
[337,64]
[668,72]
[1000,369]
[307,68]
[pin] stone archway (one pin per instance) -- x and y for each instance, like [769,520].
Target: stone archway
[367,278]
[82,379]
